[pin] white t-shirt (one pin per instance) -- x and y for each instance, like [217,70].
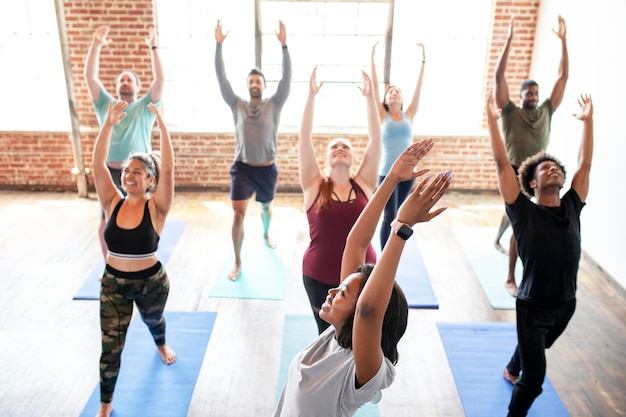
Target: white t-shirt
[321,381]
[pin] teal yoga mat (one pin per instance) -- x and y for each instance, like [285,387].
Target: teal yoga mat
[298,332]
[477,353]
[173,229]
[412,274]
[264,271]
[146,386]
[489,265]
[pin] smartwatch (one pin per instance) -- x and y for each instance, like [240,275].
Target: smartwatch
[401,229]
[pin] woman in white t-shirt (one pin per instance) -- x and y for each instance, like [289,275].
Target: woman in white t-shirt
[351,361]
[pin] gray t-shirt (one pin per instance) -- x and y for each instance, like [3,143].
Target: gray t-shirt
[256,125]
[321,381]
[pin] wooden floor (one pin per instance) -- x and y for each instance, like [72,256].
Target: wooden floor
[49,344]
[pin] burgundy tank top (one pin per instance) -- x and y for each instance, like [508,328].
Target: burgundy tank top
[328,229]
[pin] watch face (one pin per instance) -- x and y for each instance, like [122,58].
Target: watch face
[405,232]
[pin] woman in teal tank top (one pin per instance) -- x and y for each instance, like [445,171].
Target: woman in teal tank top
[397,135]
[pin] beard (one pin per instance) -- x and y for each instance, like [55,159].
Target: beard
[255,92]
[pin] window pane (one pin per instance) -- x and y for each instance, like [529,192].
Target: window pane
[30,57]
[337,37]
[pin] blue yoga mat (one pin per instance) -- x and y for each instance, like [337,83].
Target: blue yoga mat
[477,353]
[148,387]
[489,265]
[173,229]
[412,275]
[264,271]
[298,332]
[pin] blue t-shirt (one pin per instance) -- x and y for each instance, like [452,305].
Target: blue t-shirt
[134,132]
[397,136]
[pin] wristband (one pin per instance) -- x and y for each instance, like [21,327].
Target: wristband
[401,229]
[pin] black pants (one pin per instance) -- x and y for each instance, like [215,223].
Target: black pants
[317,292]
[538,327]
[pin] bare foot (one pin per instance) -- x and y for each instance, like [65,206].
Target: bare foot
[512,379]
[270,243]
[500,248]
[168,356]
[234,274]
[511,287]
[105,410]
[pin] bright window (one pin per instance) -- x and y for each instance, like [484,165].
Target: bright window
[31,70]
[337,36]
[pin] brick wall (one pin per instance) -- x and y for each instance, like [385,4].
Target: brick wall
[43,161]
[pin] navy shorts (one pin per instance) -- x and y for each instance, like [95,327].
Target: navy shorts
[247,179]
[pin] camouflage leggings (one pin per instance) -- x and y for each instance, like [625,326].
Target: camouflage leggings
[148,289]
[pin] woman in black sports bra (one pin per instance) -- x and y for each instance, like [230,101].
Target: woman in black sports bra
[133,273]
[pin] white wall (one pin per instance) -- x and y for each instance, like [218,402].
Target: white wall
[595,36]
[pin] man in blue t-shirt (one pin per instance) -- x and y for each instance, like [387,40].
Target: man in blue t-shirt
[134,132]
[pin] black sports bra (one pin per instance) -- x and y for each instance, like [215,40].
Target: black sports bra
[140,242]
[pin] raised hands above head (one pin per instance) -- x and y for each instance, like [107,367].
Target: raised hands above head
[510,31]
[405,166]
[492,110]
[151,40]
[561,32]
[116,112]
[423,48]
[586,108]
[281,35]
[314,86]
[418,205]
[219,34]
[100,36]
[366,90]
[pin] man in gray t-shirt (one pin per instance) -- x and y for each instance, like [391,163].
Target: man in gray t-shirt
[256,127]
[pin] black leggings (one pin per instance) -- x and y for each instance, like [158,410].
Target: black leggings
[396,199]
[538,327]
[317,292]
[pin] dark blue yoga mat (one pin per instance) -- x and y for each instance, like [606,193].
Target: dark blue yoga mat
[148,387]
[173,229]
[412,275]
[477,353]
[298,332]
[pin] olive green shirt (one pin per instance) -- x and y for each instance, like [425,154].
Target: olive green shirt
[526,131]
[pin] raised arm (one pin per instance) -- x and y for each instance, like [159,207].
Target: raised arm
[411,111]
[507,180]
[226,89]
[282,91]
[158,76]
[308,167]
[382,113]
[359,238]
[366,174]
[580,181]
[92,62]
[374,298]
[105,187]
[164,194]
[559,87]
[501,88]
